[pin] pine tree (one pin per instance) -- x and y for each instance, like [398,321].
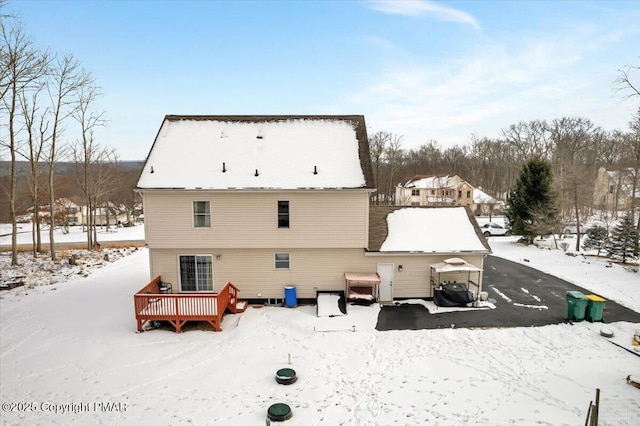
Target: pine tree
[531,206]
[597,239]
[623,244]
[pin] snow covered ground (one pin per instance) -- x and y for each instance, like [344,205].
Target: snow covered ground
[75,234]
[69,355]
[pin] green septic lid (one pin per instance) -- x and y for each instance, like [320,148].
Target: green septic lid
[576,294]
[279,412]
[286,372]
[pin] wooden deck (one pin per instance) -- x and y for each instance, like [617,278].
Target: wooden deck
[177,309]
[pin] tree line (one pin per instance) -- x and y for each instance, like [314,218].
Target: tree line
[49,108]
[574,146]
[532,210]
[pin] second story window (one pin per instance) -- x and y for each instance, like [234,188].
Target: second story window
[283,214]
[459,193]
[201,214]
[415,192]
[468,194]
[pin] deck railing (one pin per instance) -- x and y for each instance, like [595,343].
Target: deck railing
[179,308]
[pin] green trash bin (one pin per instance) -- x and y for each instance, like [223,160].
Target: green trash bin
[595,307]
[576,306]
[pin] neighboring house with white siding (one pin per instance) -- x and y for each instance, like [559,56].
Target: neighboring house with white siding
[435,190]
[485,204]
[267,202]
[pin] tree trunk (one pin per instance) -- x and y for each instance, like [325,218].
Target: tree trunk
[575,205]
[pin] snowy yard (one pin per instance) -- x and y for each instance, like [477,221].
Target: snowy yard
[72,348]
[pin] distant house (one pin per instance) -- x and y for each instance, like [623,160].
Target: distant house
[66,212]
[613,189]
[485,205]
[108,213]
[266,202]
[435,190]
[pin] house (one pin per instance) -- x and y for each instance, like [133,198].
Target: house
[435,190]
[107,214]
[413,239]
[66,211]
[485,205]
[613,189]
[268,202]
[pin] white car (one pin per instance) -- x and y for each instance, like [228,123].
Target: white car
[493,229]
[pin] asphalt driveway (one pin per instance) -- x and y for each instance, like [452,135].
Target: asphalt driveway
[523,297]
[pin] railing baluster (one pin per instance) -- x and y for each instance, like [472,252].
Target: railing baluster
[149,304]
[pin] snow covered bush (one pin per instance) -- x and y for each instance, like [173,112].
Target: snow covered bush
[597,239]
[623,243]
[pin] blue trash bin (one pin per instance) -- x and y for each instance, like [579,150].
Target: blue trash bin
[290,298]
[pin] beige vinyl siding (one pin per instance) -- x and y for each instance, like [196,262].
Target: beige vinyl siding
[246,219]
[254,272]
[413,280]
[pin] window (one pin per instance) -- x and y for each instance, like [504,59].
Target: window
[283,214]
[459,193]
[201,214]
[611,189]
[468,194]
[415,203]
[196,273]
[415,192]
[282,261]
[433,192]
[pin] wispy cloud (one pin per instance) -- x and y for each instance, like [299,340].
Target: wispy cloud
[485,91]
[378,42]
[423,8]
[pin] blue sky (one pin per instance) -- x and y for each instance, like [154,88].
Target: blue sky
[421,69]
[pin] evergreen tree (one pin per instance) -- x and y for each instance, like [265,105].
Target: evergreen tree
[597,239]
[531,206]
[623,244]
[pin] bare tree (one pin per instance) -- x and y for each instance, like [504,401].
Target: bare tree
[575,164]
[395,158]
[426,159]
[455,158]
[67,78]
[529,140]
[124,194]
[37,137]
[89,157]
[21,65]
[633,149]
[377,146]
[624,82]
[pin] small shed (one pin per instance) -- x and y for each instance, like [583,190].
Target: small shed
[456,270]
[362,287]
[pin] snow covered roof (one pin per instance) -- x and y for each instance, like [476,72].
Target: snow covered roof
[424,230]
[481,197]
[455,264]
[432,181]
[266,152]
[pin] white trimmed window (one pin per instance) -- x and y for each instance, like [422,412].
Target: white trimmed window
[415,192]
[282,260]
[196,272]
[201,214]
